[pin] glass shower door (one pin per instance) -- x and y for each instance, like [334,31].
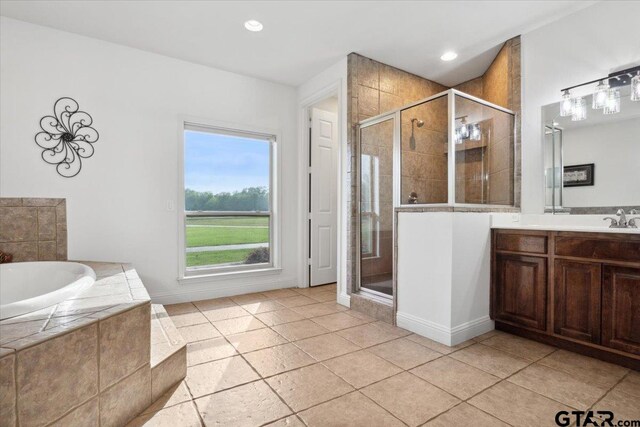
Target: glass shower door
[376,206]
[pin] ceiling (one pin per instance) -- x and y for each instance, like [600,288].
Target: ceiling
[302,38]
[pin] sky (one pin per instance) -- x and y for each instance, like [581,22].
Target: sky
[220,163]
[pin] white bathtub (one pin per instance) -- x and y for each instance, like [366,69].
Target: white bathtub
[30,286]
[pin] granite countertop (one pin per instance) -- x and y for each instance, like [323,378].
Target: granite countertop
[117,288]
[576,228]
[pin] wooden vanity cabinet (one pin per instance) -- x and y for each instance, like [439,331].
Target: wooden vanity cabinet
[579,291]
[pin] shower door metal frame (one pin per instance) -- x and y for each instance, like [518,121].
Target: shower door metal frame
[394,116]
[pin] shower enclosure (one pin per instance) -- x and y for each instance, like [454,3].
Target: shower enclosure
[450,150]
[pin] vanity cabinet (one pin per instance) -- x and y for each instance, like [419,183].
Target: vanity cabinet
[576,290]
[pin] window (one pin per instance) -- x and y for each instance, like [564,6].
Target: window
[229,218]
[370,209]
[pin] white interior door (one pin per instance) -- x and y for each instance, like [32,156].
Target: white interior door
[323,197]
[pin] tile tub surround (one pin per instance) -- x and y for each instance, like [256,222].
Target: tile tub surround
[82,360]
[33,229]
[408,380]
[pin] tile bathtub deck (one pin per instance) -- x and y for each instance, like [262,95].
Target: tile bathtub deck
[295,357]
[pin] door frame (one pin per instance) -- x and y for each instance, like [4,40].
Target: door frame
[335,89]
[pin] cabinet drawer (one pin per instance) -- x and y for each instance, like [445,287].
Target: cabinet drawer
[619,249]
[530,243]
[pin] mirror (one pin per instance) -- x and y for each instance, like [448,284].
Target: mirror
[591,166]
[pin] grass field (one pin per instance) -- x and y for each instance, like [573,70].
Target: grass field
[216,231]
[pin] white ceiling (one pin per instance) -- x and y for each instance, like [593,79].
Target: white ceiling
[302,38]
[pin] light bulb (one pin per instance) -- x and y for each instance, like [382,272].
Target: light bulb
[635,87]
[600,95]
[579,109]
[566,105]
[612,104]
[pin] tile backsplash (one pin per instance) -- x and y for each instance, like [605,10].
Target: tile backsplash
[33,229]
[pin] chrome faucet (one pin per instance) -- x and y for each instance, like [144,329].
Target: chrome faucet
[622,221]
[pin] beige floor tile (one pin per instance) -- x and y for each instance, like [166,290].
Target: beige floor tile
[249,298]
[558,385]
[366,335]
[519,346]
[323,347]
[181,308]
[238,324]
[299,330]
[213,304]
[362,316]
[188,319]
[351,410]
[203,331]
[219,375]
[631,384]
[409,398]
[281,293]
[249,405]
[459,379]
[465,415]
[184,415]
[225,313]
[361,368]
[291,421]
[262,307]
[279,317]
[490,360]
[389,328]
[434,345]
[255,340]
[296,301]
[337,321]
[404,353]
[176,394]
[487,335]
[624,406]
[308,386]
[319,309]
[324,296]
[518,406]
[586,368]
[278,359]
[209,350]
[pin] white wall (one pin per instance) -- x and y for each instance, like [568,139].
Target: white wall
[578,48]
[614,148]
[118,204]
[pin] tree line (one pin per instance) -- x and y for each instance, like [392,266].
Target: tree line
[248,199]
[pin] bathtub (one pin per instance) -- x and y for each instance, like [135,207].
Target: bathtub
[30,286]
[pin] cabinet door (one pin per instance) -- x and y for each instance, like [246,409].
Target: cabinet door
[576,299]
[621,308]
[520,290]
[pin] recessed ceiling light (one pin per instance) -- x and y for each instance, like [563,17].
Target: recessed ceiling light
[449,56]
[253,25]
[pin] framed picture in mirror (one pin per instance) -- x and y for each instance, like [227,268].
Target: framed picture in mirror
[578,175]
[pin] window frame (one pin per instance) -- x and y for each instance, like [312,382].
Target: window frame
[188,274]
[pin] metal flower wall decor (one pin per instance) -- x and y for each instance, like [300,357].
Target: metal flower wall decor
[67,137]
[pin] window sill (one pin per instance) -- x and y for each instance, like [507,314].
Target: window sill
[227,275]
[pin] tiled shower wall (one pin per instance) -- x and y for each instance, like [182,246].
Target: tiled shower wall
[33,229]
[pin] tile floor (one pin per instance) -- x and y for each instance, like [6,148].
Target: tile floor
[294,357]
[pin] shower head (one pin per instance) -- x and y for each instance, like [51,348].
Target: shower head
[418,122]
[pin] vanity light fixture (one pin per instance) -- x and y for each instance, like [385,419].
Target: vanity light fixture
[635,87]
[253,25]
[449,56]
[606,95]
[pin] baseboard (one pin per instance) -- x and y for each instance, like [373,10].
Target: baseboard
[344,299]
[444,334]
[218,290]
